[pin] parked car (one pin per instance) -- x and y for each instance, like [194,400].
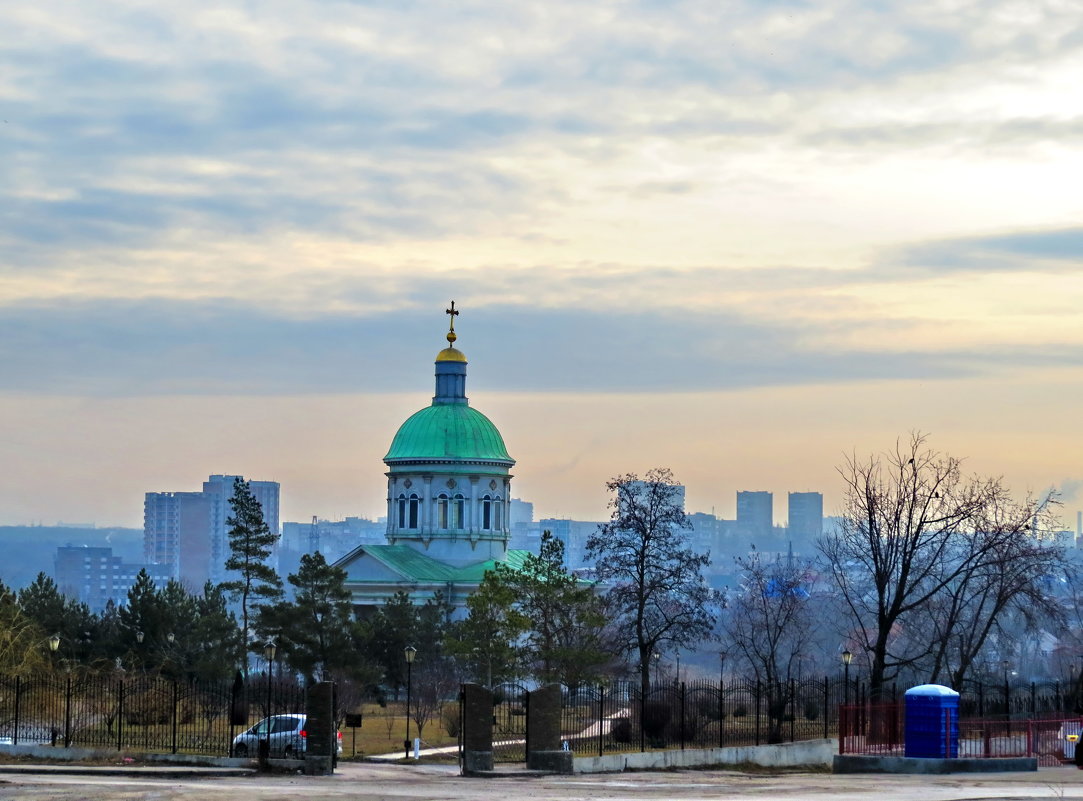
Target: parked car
[287,735]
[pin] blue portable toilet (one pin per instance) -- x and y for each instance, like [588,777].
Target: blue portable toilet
[932,722]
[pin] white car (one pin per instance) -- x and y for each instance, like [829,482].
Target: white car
[288,737]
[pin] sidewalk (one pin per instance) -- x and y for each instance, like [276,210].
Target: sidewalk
[130,771]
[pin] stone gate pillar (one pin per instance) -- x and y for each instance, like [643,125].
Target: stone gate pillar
[321,750]
[477,723]
[543,742]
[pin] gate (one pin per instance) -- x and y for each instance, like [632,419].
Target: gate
[509,722]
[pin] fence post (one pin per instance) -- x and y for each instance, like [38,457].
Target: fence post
[174,716]
[981,700]
[757,711]
[1033,700]
[642,716]
[721,710]
[120,713]
[18,692]
[680,690]
[793,710]
[601,718]
[67,714]
[827,709]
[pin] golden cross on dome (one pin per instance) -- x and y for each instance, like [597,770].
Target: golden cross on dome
[453,312]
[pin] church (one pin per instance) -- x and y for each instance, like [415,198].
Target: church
[448,492]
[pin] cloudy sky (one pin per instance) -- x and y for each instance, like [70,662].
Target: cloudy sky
[738,239]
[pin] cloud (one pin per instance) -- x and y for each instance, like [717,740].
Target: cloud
[163,347]
[1060,249]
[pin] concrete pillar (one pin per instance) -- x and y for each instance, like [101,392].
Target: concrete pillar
[543,741]
[477,722]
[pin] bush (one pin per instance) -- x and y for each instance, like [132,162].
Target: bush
[656,716]
[812,710]
[621,731]
[450,718]
[740,711]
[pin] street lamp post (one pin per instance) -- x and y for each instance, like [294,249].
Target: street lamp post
[54,644]
[657,657]
[721,668]
[269,651]
[846,659]
[410,652]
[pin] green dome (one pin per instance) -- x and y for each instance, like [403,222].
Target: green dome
[448,431]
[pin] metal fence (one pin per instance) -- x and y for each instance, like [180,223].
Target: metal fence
[139,713]
[701,714]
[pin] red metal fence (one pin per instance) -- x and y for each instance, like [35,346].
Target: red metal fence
[880,729]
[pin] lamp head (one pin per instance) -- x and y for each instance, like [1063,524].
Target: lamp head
[410,652]
[54,642]
[847,657]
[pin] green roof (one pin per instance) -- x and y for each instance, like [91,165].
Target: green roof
[448,431]
[419,567]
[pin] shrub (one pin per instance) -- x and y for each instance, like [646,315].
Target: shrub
[740,711]
[621,731]
[450,718]
[812,710]
[656,715]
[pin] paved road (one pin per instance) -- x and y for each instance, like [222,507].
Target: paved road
[424,783]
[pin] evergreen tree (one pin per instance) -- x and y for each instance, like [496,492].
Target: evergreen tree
[565,636]
[490,638]
[22,641]
[143,621]
[216,646]
[43,603]
[398,624]
[250,544]
[317,634]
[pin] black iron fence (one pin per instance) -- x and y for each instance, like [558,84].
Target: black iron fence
[139,713]
[700,714]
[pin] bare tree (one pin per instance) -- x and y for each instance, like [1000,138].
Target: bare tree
[914,529]
[656,582]
[436,682]
[770,624]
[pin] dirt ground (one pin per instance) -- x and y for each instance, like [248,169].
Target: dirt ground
[368,782]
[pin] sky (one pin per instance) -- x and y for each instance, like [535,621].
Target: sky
[742,240]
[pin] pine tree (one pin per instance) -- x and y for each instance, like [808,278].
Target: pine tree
[250,544]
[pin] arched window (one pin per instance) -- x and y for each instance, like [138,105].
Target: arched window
[402,511]
[441,510]
[458,511]
[498,515]
[415,502]
[486,513]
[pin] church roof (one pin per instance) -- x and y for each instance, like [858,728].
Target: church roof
[414,565]
[448,431]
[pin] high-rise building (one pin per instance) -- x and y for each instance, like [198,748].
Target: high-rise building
[755,513]
[186,532]
[94,576]
[219,489]
[805,514]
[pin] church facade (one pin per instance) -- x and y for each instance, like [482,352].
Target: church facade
[448,491]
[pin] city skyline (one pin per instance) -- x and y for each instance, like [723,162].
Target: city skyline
[741,240]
